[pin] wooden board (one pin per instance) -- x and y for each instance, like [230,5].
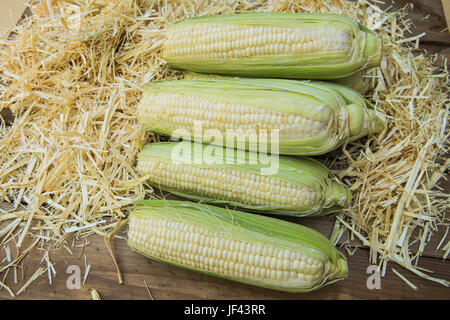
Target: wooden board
[167,282]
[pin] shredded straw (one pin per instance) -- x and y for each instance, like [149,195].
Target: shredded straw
[72,74]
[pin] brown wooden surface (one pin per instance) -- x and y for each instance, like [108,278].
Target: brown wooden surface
[168,282]
[427,16]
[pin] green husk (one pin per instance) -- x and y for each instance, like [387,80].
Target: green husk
[316,100]
[252,228]
[365,49]
[331,195]
[356,81]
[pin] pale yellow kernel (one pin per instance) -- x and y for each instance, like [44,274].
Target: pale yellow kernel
[257,260]
[278,253]
[280,275]
[257,272]
[231,245]
[236,268]
[235,256]
[264,251]
[273,263]
[279,265]
[296,264]
[276,49]
[303,265]
[273,274]
[265,262]
[263,272]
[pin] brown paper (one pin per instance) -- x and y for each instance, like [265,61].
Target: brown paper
[446,6]
[10,13]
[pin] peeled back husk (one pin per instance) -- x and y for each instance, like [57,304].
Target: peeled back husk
[234,245]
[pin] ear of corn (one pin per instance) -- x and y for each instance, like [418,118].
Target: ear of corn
[234,245]
[279,45]
[299,186]
[310,117]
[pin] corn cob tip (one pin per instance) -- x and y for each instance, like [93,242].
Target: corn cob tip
[363,121]
[378,121]
[341,269]
[339,195]
[373,50]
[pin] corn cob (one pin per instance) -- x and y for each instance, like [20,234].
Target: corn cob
[310,117]
[297,186]
[234,245]
[279,45]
